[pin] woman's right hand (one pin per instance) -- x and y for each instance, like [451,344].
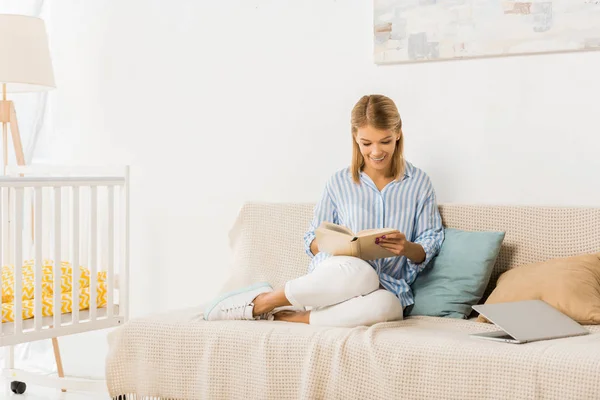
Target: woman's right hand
[314,248]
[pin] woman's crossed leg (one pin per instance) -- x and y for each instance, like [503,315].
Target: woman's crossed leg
[343,291]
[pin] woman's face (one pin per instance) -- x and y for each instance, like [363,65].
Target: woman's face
[377,147]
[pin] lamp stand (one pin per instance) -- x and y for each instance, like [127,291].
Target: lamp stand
[8,116]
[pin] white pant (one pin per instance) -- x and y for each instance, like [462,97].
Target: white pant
[344,292]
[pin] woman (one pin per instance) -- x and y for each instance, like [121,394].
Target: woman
[379,190]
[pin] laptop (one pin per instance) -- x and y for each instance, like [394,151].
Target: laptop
[527,321]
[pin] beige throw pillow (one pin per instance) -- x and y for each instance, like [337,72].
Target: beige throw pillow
[571,285]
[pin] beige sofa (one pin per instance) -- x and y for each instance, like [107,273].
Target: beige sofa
[180,356]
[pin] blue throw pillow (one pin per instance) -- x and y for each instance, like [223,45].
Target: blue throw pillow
[457,277]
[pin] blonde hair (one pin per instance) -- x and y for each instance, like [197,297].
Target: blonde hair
[379,112]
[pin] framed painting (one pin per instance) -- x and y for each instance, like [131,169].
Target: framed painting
[429,30]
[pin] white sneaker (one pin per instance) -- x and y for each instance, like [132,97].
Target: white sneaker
[236,305]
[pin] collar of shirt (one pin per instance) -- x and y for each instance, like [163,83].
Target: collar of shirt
[408,172]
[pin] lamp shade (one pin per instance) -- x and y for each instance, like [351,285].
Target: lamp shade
[25,64]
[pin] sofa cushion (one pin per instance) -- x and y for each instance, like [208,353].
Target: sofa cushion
[571,285]
[456,279]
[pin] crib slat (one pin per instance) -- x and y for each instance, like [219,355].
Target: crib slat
[37,296]
[47,215]
[111,252]
[18,271]
[124,266]
[27,221]
[57,257]
[84,198]
[5,227]
[75,274]
[93,251]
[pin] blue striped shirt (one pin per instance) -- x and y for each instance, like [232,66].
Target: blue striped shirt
[407,204]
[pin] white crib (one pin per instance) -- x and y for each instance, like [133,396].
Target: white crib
[56,215]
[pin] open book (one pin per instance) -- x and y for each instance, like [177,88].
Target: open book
[341,241]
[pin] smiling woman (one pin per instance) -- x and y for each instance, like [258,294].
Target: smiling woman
[379,190]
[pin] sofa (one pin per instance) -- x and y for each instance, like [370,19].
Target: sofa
[181,356]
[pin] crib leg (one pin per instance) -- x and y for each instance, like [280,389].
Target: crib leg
[59,365]
[9,361]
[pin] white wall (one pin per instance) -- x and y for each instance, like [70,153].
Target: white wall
[218,103]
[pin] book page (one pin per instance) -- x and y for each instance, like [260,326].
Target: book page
[336,228]
[335,242]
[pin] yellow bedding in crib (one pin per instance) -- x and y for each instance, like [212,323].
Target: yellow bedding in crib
[28,281]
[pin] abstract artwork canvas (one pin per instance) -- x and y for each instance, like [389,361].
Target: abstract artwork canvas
[425,30]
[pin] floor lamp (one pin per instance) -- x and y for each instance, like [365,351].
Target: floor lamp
[25,66]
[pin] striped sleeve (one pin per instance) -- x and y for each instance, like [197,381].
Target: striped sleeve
[429,231]
[325,210]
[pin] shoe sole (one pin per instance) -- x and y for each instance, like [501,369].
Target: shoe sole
[219,299]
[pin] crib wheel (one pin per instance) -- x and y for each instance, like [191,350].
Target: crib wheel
[18,387]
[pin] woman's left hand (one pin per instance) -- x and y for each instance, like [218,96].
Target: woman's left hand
[394,242]
[397,244]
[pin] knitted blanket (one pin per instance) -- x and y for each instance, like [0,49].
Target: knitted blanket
[178,356]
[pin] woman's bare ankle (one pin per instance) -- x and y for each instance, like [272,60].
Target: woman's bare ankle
[293,316]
